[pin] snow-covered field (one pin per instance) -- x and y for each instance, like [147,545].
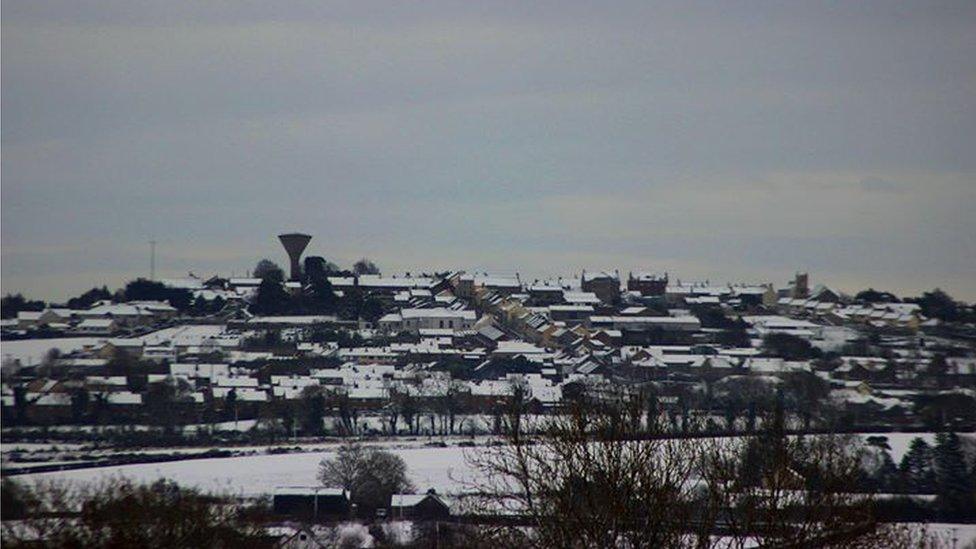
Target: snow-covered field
[444,469]
[32,351]
[440,468]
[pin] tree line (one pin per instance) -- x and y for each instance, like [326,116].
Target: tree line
[586,479]
[316,294]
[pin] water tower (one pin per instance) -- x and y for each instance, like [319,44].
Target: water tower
[294,244]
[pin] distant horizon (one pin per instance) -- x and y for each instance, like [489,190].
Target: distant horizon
[780,279]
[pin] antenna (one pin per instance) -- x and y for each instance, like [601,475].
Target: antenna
[152,260]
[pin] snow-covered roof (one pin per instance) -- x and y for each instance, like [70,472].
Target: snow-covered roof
[598,275]
[409,500]
[308,491]
[518,347]
[438,312]
[294,319]
[124,398]
[96,323]
[581,297]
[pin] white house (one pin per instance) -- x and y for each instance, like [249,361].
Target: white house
[97,326]
[414,320]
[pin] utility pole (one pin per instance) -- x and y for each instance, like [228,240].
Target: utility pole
[152,260]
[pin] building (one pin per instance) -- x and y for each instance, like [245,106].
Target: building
[800,287]
[469,284]
[542,295]
[572,314]
[311,502]
[647,284]
[643,323]
[427,506]
[414,320]
[604,284]
[97,326]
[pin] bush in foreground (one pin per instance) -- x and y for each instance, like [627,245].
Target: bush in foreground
[121,513]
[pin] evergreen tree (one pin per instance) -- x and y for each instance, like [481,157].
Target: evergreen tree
[372,309]
[141,289]
[87,299]
[880,471]
[13,304]
[230,405]
[917,468]
[271,298]
[955,490]
[313,402]
[321,297]
[267,269]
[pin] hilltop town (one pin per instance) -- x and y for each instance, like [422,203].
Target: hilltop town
[321,350]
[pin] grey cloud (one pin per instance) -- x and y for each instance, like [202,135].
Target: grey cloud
[882,185]
[462,133]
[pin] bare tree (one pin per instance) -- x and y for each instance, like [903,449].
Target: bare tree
[369,474]
[365,266]
[450,402]
[338,401]
[806,394]
[394,406]
[594,477]
[589,480]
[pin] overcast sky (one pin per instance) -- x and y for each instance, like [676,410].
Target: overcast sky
[726,140]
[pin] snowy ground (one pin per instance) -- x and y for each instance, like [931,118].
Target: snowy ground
[955,535]
[429,467]
[440,468]
[32,351]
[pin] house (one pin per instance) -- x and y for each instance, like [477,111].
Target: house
[824,294]
[132,347]
[212,371]
[427,506]
[752,296]
[581,298]
[685,323]
[47,317]
[611,338]
[772,324]
[512,349]
[369,355]
[414,320]
[605,285]
[157,309]
[570,313]
[97,326]
[391,285]
[647,284]
[128,314]
[469,284]
[311,502]
[489,334]
[542,295]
